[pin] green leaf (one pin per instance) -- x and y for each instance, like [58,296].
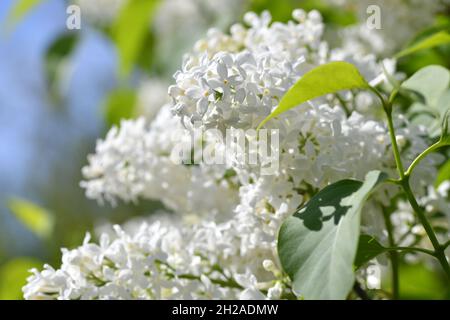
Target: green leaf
[368,248]
[56,55]
[431,82]
[432,41]
[325,79]
[35,218]
[443,174]
[130,31]
[120,104]
[443,104]
[13,275]
[317,245]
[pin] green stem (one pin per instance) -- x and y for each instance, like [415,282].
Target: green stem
[360,291]
[230,283]
[343,104]
[393,254]
[411,249]
[416,161]
[445,245]
[398,160]
[387,106]
[438,249]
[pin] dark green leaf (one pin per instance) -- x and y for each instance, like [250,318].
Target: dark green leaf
[55,57]
[368,248]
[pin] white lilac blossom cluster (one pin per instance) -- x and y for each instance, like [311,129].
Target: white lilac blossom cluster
[400,21]
[220,241]
[134,161]
[239,81]
[158,260]
[236,80]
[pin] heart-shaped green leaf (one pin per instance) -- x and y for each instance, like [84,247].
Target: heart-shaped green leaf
[317,245]
[368,248]
[325,79]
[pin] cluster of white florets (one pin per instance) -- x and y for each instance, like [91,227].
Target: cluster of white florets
[135,162]
[229,249]
[240,84]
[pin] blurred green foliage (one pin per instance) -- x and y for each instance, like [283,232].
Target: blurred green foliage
[56,55]
[37,219]
[68,220]
[130,30]
[282,10]
[13,276]
[20,10]
[418,282]
[120,104]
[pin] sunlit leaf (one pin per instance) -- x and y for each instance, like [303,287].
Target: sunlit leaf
[130,31]
[317,245]
[13,275]
[325,79]
[432,41]
[37,219]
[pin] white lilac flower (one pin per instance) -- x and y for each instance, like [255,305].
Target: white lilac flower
[237,79]
[162,260]
[230,252]
[134,161]
[240,85]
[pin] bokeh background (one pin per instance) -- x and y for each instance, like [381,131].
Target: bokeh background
[61,89]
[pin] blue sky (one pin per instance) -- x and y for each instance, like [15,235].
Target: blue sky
[33,133]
